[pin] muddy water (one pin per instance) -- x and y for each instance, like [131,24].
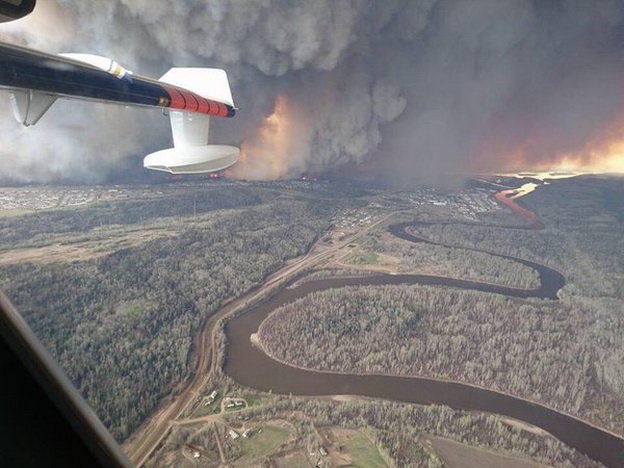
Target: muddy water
[249,366]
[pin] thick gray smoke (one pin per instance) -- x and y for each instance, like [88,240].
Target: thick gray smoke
[423,87]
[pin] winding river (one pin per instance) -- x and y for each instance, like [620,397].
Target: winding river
[251,367]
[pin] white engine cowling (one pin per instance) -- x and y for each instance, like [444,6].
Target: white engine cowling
[191,153]
[193,159]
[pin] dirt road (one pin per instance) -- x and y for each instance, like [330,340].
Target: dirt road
[142,443]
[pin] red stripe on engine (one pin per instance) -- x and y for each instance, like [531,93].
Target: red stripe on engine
[186,100]
[191,101]
[177,100]
[203,105]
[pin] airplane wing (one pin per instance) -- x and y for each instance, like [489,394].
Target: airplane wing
[36,79]
[96,78]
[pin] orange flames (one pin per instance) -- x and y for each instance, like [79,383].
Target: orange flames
[272,152]
[278,150]
[602,154]
[603,158]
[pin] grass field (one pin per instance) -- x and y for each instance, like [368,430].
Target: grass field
[264,440]
[7,213]
[296,460]
[214,407]
[457,455]
[356,449]
[204,410]
[363,257]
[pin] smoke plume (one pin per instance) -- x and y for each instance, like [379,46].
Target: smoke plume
[421,87]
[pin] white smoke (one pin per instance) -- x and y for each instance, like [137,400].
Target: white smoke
[424,86]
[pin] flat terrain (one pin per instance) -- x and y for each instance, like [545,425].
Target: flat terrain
[145,277]
[264,441]
[347,447]
[456,455]
[72,250]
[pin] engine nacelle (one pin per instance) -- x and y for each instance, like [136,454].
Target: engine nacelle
[192,159]
[191,153]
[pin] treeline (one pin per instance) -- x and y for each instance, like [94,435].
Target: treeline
[456,262]
[123,212]
[589,212]
[534,349]
[503,218]
[122,325]
[583,236]
[399,428]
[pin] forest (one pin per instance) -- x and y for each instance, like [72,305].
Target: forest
[36,228]
[582,239]
[121,325]
[523,348]
[454,262]
[567,354]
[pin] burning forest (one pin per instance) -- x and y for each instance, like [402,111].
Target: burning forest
[423,88]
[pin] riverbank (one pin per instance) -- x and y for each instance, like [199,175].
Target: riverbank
[250,366]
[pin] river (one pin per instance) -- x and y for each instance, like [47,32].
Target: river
[251,367]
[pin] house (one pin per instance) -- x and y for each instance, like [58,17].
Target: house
[209,400]
[235,404]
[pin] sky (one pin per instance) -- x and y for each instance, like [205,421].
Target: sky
[414,89]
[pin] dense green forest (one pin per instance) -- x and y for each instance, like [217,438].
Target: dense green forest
[122,325]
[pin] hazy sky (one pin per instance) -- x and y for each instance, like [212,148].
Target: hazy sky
[423,87]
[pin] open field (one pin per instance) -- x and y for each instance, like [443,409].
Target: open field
[292,460]
[205,407]
[457,455]
[264,441]
[68,250]
[347,447]
[363,257]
